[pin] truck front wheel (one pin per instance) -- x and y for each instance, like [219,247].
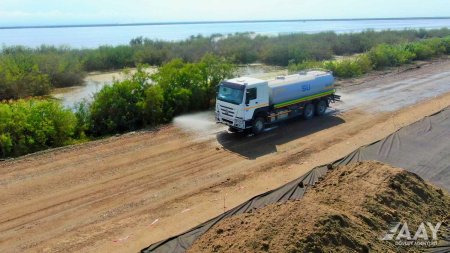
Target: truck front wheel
[308,111]
[258,125]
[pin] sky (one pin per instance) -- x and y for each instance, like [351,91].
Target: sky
[61,12]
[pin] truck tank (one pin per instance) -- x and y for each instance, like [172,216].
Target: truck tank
[294,87]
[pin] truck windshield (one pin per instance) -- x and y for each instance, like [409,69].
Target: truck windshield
[231,93]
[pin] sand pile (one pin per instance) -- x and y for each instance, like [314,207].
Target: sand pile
[348,211]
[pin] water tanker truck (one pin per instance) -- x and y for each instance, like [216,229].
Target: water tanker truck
[246,103]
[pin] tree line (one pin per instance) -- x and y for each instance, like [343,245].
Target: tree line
[35,71]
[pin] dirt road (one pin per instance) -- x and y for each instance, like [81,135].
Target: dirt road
[122,193]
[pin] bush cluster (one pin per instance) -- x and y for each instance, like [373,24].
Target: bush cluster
[31,125]
[108,58]
[20,77]
[385,55]
[122,106]
[350,67]
[33,72]
[379,57]
[61,65]
[147,100]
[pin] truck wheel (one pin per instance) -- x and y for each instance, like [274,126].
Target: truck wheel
[308,111]
[258,125]
[321,107]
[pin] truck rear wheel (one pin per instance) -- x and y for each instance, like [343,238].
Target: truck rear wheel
[308,111]
[258,125]
[321,107]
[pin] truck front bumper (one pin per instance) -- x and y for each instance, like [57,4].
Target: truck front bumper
[236,123]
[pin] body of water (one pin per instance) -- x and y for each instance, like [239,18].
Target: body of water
[90,37]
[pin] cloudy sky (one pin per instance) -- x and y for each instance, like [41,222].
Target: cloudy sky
[57,12]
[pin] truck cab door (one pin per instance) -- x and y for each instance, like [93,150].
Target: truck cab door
[255,97]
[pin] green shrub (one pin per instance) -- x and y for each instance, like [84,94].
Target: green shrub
[21,77]
[108,58]
[116,108]
[152,105]
[446,44]
[379,57]
[385,55]
[427,49]
[147,100]
[150,56]
[63,69]
[191,86]
[345,68]
[421,51]
[31,125]
[83,116]
[292,67]
[33,72]
[239,48]
[352,67]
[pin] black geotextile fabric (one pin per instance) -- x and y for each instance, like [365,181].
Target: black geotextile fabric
[422,148]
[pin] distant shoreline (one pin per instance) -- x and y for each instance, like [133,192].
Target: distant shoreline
[211,22]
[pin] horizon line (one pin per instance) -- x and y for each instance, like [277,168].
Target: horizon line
[207,22]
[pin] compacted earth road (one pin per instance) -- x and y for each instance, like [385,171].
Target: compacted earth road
[123,193]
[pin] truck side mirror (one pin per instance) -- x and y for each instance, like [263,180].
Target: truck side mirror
[247,98]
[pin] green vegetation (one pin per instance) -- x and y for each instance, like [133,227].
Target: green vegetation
[379,57]
[108,57]
[121,106]
[142,100]
[185,82]
[20,77]
[61,65]
[31,125]
[271,50]
[45,67]
[147,100]
[28,72]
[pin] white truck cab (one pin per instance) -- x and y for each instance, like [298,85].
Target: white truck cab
[237,100]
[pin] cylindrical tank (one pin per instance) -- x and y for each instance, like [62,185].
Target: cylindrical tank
[304,84]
